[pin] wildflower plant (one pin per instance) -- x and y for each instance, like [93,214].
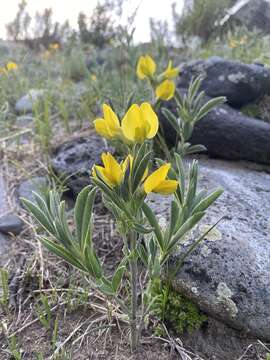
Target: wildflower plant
[189,106]
[125,187]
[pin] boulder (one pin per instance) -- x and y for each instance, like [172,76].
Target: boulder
[74,160]
[227,276]
[253,14]
[11,223]
[26,103]
[240,83]
[27,187]
[228,134]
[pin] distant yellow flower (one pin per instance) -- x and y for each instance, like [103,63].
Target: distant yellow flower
[11,66]
[165,91]
[243,40]
[112,173]
[140,123]
[3,71]
[109,125]
[46,54]
[233,44]
[54,46]
[157,182]
[93,77]
[170,72]
[146,67]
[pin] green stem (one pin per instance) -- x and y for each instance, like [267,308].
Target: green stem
[134,295]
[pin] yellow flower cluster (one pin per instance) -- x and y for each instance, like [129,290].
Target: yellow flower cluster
[164,86]
[50,51]
[113,174]
[138,124]
[234,43]
[9,67]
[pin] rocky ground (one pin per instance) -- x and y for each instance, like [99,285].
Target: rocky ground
[227,277]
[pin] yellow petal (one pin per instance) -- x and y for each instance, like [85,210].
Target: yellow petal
[113,170]
[165,91]
[102,128]
[127,162]
[146,67]
[156,178]
[149,116]
[150,64]
[170,72]
[141,75]
[11,66]
[166,187]
[110,116]
[131,122]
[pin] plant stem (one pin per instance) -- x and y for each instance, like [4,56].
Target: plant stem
[134,295]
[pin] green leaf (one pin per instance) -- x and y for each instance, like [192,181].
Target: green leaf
[210,105]
[60,251]
[194,149]
[39,215]
[206,202]
[93,263]
[117,278]
[83,215]
[172,119]
[140,171]
[187,226]
[154,223]
[175,211]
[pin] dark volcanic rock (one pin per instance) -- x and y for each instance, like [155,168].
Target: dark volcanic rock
[11,224]
[254,15]
[228,134]
[228,274]
[74,160]
[240,83]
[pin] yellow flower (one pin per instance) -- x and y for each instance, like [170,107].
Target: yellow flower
[109,126]
[243,40]
[170,72]
[3,71]
[11,66]
[140,123]
[233,44]
[146,67]
[93,77]
[112,173]
[54,46]
[157,182]
[46,54]
[165,91]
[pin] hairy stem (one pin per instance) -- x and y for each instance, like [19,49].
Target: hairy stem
[134,295]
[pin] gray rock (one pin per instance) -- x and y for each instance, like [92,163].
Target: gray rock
[3,195]
[228,274]
[253,15]
[240,83]
[11,223]
[26,103]
[27,187]
[5,243]
[24,120]
[74,160]
[227,134]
